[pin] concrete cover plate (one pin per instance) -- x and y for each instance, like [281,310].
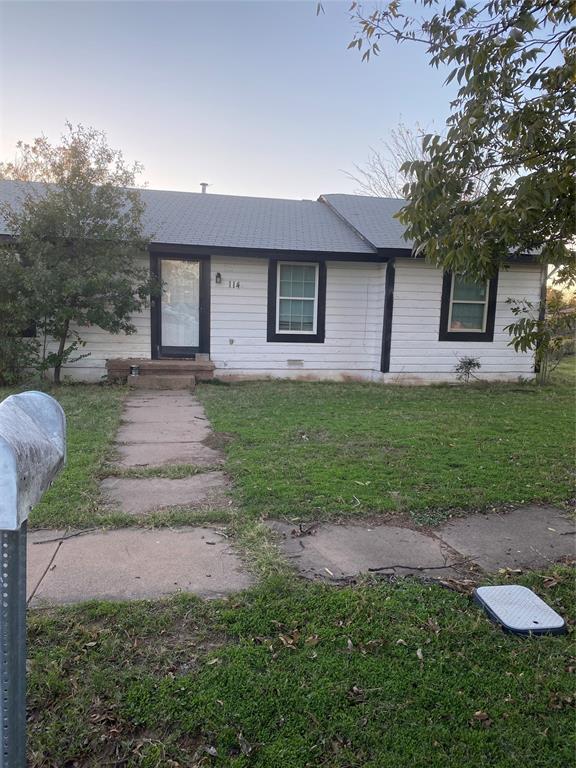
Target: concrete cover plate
[519,610]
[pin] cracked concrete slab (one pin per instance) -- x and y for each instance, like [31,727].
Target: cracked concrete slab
[344,551]
[187,430]
[153,396]
[169,414]
[131,564]
[163,454]
[39,554]
[527,537]
[160,429]
[137,496]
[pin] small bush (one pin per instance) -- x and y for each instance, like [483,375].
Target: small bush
[465,368]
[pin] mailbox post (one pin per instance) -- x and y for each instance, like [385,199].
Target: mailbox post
[32,452]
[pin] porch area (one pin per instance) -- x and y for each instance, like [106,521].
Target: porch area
[166,373]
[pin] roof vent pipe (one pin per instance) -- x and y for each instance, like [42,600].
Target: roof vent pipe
[204,185]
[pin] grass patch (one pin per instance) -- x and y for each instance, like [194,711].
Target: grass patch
[323,450]
[171,471]
[92,416]
[182,515]
[293,674]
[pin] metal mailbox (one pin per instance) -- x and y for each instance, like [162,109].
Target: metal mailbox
[32,452]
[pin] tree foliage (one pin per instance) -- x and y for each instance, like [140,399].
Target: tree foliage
[77,235]
[549,334]
[500,181]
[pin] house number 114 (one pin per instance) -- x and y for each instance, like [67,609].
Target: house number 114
[233,283]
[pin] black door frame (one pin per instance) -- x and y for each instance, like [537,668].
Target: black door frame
[203,315]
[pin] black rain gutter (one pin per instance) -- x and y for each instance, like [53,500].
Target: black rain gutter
[267,253]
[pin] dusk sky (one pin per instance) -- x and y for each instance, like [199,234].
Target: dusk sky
[256,98]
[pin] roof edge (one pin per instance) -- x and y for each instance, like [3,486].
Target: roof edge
[322,199]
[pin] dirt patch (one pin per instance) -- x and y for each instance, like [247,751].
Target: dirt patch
[217,441]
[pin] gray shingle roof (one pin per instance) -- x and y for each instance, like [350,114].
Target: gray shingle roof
[247,222]
[372,217]
[193,218]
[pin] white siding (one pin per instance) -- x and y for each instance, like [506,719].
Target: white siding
[354,305]
[354,312]
[103,346]
[416,353]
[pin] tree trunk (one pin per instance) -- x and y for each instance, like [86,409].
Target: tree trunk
[61,347]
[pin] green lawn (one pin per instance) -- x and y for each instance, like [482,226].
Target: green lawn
[404,675]
[323,450]
[92,416]
[303,450]
[289,673]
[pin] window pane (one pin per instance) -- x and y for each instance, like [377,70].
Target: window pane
[467,317]
[296,315]
[284,314]
[468,290]
[180,303]
[296,280]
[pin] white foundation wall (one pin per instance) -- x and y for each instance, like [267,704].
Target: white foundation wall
[416,354]
[354,310]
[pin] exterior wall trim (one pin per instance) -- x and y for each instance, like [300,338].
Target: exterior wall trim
[388,317]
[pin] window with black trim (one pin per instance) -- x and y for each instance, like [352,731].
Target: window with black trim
[468,308]
[296,301]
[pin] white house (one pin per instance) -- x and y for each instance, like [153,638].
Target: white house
[326,289]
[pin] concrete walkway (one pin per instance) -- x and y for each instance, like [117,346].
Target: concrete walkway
[162,429]
[130,564]
[158,429]
[528,537]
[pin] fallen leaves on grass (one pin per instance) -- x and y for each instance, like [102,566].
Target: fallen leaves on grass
[290,640]
[464,586]
[482,718]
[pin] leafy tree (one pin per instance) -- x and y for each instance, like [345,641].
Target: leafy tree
[18,350]
[501,179]
[550,333]
[76,240]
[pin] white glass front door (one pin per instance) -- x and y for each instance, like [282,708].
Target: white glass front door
[180,304]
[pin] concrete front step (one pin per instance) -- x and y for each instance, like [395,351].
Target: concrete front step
[200,367]
[175,381]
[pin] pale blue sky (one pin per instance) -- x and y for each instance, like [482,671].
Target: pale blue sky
[256,98]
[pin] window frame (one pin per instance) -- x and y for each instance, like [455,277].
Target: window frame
[317,335]
[313,299]
[487,332]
